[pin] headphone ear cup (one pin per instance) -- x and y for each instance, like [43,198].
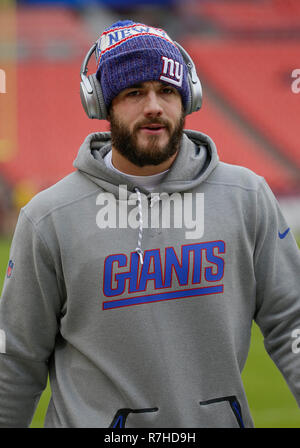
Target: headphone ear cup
[195,101]
[97,91]
[188,106]
[92,98]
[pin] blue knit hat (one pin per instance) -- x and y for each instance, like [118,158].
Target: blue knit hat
[129,53]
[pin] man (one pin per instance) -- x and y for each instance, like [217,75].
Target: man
[134,281]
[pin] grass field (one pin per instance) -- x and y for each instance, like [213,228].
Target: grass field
[271,403]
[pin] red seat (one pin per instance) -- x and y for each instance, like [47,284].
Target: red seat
[231,15]
[255,79]
[234,146]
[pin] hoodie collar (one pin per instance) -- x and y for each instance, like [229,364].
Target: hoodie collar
[196,159]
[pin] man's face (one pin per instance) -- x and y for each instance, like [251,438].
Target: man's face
[147,122]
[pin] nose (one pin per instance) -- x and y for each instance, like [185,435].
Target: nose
[152,107]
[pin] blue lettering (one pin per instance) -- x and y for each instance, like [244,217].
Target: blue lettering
[115,279]
[181,269]
[210,276]
[120,278]
[156,275]
[125,33]
[141,29]
[131,275]
[113,37]
[197,249]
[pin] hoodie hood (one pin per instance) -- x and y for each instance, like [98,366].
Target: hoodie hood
[196,159]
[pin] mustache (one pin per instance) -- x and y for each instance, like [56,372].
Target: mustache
[147,122]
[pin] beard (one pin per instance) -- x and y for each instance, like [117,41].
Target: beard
[151,153]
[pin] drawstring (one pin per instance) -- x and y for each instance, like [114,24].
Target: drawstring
[138,249]
[154,199]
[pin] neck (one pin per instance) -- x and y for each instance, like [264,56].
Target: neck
[123,164]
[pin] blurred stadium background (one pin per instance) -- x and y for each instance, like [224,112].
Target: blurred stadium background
[245,51]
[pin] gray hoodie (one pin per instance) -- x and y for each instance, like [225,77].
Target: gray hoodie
[139,305]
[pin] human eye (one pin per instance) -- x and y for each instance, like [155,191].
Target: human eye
[133,93]
[168,90]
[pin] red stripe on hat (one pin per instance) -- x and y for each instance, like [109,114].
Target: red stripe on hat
[127,26]
[132,26]
[130,37]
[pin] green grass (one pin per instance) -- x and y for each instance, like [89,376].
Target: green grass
[272,404]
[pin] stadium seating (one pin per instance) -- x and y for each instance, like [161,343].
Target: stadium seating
[250,16]
[50,120]
[255,79]
[50,135]
[236,147]
[247,61]
[250,77]
[41,30]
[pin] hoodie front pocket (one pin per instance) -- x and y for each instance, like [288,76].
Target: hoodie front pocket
[218,408]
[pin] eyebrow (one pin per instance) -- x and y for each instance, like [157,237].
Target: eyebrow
[141,85]
[136,86]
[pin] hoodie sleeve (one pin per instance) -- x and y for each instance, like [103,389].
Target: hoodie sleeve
[277,270]
[29,312]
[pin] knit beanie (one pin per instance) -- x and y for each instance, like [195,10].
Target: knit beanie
[130,53]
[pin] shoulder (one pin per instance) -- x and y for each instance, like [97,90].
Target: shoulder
[66,192]
[235,177]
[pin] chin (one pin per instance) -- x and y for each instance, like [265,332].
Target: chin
[153,142]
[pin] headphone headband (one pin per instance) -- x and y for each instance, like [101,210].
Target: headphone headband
[84,67]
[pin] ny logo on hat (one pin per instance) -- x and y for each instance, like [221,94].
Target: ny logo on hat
[173,76]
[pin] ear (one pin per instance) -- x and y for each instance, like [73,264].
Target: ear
[109,113]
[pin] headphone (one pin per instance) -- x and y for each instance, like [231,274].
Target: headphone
[92,97]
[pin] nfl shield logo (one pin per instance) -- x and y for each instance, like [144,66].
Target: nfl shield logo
[9,269]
